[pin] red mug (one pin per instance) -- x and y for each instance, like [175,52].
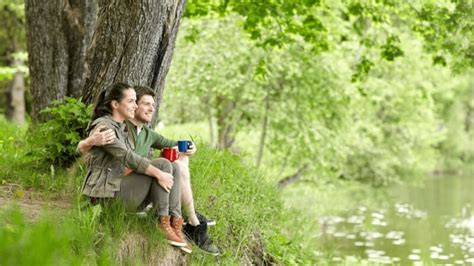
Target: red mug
[170,154]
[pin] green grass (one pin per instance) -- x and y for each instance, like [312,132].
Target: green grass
[249,211]
[18,166]
[255,220]
[247,208]
[92,235]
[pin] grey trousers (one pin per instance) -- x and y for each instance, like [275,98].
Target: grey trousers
[137,191]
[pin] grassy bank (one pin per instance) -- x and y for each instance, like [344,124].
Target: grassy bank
[250,215]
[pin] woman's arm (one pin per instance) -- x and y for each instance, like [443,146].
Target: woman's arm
[116,147]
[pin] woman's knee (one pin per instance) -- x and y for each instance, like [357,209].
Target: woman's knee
[163,164]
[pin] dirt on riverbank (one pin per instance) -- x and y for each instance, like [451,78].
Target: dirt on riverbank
[31,202]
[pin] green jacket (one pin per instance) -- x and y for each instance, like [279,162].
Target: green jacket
[148,138]
[106,164]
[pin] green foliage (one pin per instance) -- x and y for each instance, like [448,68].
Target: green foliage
[362,69]
[43,243]
[12,34]
[11,139]
[7,72]
[221,84]
[17,165]
[12,43]
[379,124]
[55,141]
[455,107]
[76,237]
[446,26]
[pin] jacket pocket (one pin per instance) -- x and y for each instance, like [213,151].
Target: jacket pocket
[113,179]
[96,179]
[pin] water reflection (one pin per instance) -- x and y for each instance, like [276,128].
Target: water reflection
[379,245]
[423,230]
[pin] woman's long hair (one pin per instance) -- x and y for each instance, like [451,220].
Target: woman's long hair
[103,104]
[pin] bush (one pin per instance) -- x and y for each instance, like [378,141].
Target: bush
[55,141]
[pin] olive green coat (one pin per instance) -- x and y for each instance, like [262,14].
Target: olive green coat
[106,164]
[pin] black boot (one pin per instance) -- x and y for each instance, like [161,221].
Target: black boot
[199,236]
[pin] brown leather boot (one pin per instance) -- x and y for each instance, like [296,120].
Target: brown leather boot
[170,234]
[177,225]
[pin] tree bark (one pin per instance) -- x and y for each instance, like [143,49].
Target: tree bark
[133,43]
[58,32]
[469,115]
[16,98]
[226,122]
[210,118]
[293,178]
[263,136]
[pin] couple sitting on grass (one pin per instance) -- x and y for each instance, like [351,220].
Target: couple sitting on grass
[117,148]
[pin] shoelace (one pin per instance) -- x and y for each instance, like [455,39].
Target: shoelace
[202,236]
[178,225]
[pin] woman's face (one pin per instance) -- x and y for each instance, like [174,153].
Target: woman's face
[125,109]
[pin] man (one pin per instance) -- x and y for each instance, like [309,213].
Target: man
[144,138]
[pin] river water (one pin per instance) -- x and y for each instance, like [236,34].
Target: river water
[433,224]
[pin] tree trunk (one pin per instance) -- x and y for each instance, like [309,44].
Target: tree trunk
[80,18]
[263,136]
[226,122]
[212,140]
[293,178]
[210,120]
[133,43]
[469,115]
[58,32]
[16,98]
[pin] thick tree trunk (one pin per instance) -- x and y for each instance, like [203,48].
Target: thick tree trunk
[16,98]
[58,32]
[79,23]
[133,43]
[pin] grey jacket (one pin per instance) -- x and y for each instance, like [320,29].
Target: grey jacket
[106,164]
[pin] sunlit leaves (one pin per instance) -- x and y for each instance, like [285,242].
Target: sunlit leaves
[349,90]
[391,49]
[7,72]
[362,69]
[447,27]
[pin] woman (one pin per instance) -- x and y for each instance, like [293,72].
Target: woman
[115,171]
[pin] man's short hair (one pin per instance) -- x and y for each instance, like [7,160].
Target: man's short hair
[142,91]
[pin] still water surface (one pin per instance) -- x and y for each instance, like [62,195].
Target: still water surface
[433,224]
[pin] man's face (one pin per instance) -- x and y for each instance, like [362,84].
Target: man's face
[125,109]
[145,110]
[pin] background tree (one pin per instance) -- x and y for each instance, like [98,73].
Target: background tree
[220,73]
[12,62]
[311,112]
